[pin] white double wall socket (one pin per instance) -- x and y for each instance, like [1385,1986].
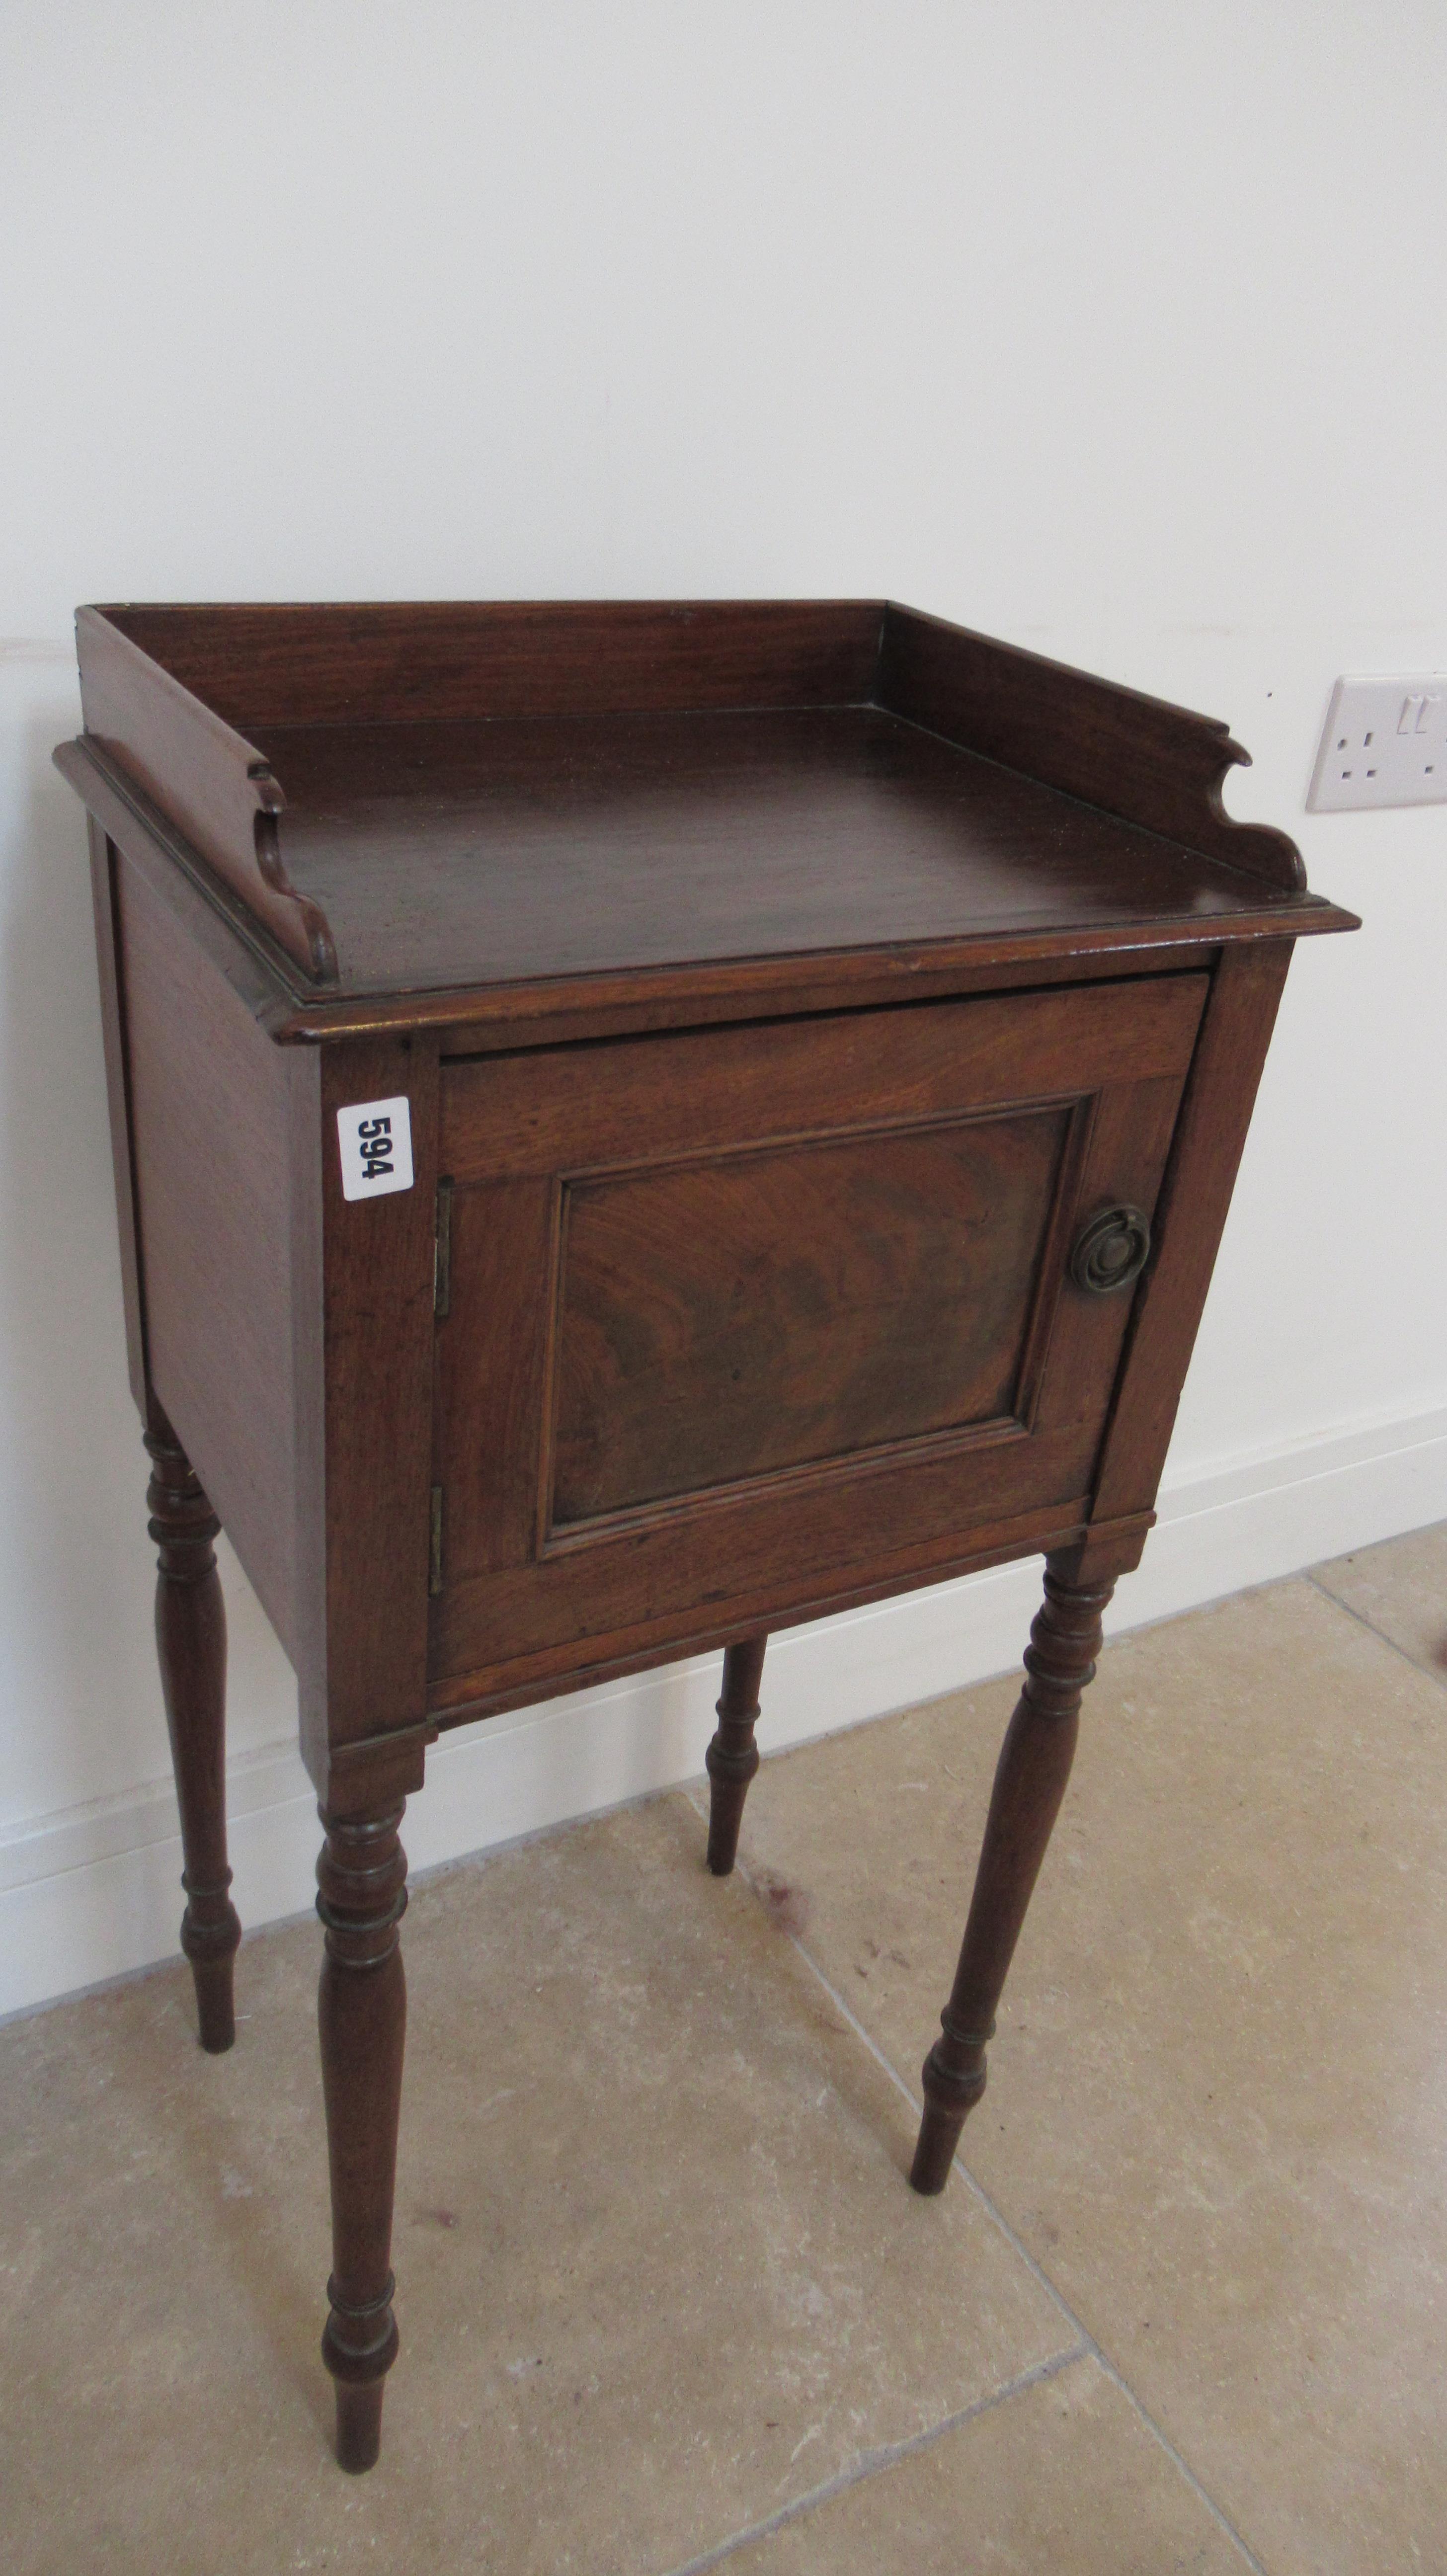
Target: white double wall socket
[1385,743]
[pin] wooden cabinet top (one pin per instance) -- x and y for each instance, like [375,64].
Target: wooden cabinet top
[457,810]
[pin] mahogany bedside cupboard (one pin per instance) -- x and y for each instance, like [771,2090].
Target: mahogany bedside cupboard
[636,1125]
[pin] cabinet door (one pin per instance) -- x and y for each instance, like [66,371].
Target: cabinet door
[747,1323]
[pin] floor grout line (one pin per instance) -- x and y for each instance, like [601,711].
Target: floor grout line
[883,2456]
[1373,1630]
[1088,2344]
[1087,2339]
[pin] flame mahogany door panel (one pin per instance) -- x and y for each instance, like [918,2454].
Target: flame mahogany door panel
[747,1322]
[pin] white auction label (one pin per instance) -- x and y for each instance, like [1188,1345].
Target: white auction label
[376,1140]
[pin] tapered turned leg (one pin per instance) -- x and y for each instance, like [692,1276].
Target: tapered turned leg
[733,1757]
[191,1645]
[362,2014]
[1030,1782]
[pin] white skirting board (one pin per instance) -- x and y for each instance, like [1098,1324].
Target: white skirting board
[92,1892]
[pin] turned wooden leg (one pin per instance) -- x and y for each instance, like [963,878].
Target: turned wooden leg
[733,1757]
[1030,1782]
[191,1645]
[362,2015]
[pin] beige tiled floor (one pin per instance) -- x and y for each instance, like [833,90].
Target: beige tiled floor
[1400,1589]
[665,2297]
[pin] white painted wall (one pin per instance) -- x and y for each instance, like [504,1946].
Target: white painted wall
[1110,329]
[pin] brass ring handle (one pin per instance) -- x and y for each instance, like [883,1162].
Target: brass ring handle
[1112,1251]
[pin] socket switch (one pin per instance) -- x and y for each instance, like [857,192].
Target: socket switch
[1385,744]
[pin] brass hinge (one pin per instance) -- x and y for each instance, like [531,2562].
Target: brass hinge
[434,1557]
[442,1252]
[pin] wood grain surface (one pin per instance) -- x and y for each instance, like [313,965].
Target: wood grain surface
[495,853]
[1136,756]
[211,1106]
[469,797]
[387,661]
[604,1470]
[206,776]
[765,1310]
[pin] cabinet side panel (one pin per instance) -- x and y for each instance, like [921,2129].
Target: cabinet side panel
[210,1097]
[1195,1198]
[104,866]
